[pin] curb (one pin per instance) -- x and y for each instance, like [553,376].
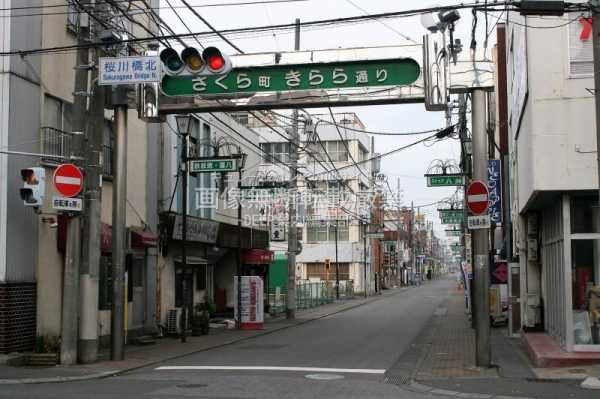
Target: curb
[417,387]
[112,373]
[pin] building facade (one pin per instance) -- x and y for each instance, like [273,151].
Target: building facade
[553,176]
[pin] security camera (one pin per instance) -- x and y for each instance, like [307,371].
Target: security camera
[448,16]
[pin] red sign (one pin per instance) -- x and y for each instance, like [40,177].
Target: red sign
[586,28]
[68,180]
[477,197]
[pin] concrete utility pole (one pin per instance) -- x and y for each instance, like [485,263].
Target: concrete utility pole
[184,211]
[480,237]
[290,311]
[398,227]
[595,6]
[239,248]
[118,224]
[91,243]
[411,244]
[70,306]
[365,257]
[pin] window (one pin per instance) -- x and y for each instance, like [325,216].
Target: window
[336,150]
[275,152]
[72,17]
[179,289]
[326,232]
[105,285]
[108,145]
[581,57]
[318,270]
[201,277]
[57,123]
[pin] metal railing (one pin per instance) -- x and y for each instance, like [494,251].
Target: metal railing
[310,295]
[55,142]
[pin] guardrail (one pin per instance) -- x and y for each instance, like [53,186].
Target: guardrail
[310,295]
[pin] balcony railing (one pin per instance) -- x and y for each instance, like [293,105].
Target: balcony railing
[55,142]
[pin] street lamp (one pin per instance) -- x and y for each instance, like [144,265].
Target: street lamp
[184,123]
[241,163]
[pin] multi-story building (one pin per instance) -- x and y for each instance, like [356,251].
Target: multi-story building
[553,175]
[37,115]
[334,205]
[212,239]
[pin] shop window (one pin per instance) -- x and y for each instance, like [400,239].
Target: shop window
[201,277]
[586,291]
[584,214]
[178,287]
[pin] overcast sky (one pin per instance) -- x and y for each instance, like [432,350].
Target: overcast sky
[409,165]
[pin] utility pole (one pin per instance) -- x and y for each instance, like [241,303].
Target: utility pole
[184,211]
[365,257]
[411,244]
[239,249]
[70,305]
[90,264]
[118,223]
[595,6]
[290,311]
[337,265]
[480,237]
[398,277]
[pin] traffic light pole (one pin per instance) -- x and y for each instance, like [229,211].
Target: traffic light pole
[290,311]
[480,237]
[118,224]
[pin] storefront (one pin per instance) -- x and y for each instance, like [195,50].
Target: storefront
[569,237]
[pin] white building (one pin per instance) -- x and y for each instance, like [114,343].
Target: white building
[332,198]
[554,180]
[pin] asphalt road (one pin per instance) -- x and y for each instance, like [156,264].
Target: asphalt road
[340,356]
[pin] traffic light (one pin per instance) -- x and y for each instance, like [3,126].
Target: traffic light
[191,62]
[34,182]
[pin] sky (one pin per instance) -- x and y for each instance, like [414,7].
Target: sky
[408,166]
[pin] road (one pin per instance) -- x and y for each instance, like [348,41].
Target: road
[340,356]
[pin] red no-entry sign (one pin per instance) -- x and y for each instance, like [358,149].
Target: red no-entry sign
[477,197]
[68,180]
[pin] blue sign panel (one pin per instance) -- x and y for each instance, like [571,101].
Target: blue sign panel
[495,188]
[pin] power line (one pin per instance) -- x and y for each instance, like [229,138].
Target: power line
[346,145]
[323,22]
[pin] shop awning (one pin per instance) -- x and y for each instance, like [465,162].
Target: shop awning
[256,256]
[141,238]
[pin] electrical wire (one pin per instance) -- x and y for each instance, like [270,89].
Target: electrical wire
[330,21]
[344,141]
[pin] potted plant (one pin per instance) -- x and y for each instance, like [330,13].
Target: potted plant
[47,349]
[201,317]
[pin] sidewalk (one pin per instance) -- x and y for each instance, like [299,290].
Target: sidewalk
[171,348]
[443,362]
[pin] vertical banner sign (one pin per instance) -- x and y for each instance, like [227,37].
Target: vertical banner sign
[252,302]
[495,189]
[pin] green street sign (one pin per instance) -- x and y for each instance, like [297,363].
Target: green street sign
[212,165]
[375,235]
[452,220]
[454,233]
[445,180]
[451,213]
[285,78]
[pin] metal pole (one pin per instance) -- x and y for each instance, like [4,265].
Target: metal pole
[480,237]
[410,241]
[70,306]
[337,265]
[365,257]
[90,264]
[239,252]
[117,351]
[290,311]
[184,205]
[398,228]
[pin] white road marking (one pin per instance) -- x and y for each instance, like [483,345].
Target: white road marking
[477,198]
[275,368]
[68,180]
